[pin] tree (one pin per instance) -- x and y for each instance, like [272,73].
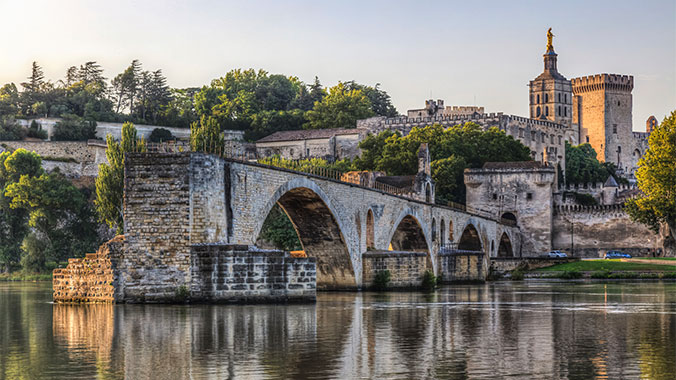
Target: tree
[160,134]
[58,215]
[656,177]
[110,182]
[13,223]
[341,108]
[10,129]
[206,136]
[381,104]
[582,166]
[74,128]
[278,229]
[451,150]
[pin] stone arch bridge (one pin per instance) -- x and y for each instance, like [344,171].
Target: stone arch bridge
[175,201]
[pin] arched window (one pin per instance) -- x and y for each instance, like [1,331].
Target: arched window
[558,111]
[546,98]
[537,111]
[442,233]
[434,229]
[565,111]
[538,99]
[370,230]
[559,97]
[428,193]
[546,111]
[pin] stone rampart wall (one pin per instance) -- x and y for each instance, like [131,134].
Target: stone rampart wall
[597,229]
[406,268]
[507,264]
[91,278]
[460,267]
[239,273]
[78,151]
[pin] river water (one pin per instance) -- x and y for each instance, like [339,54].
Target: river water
[519,330]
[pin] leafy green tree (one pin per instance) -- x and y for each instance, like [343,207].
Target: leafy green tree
[448,174]
[265,123]
[10,129]
[582,166]
[206,136]
[74,128]
[381,104]
[13,222]
[341,108]
[460,147]
[58,214]
[279,230]
[9,100]
[110,181]
[656,177]
[160,134]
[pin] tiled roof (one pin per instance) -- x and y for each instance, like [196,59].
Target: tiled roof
[305,134]
[513,165]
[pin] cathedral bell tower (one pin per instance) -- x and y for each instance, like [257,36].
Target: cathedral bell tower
[551,94]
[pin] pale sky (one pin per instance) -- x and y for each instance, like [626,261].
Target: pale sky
[456,51]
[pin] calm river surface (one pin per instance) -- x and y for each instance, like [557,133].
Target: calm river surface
[525,330]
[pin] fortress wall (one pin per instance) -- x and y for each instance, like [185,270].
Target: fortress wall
[79,151]
[598,229]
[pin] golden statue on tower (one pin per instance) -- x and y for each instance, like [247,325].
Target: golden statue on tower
[550,36]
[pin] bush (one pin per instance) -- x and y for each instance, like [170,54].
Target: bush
[74,128]
[668,275]
[36,131]
[429,281]
[585,199]
[517,274]
[11,130]
[382,280]
[493,275]
[570,274]
[160,134]
[601,274]
[181,294]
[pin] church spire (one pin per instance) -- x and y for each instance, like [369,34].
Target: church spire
[550,55]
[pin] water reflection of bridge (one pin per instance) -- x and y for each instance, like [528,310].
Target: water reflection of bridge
[468,331]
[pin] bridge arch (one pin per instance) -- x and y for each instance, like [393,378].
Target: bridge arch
[319,230]
[505,247]
[470,239]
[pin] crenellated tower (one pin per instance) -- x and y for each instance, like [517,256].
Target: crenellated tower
[603,112]
[551,96]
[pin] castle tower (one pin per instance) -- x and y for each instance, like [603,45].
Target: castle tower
[551,93]
[602,106]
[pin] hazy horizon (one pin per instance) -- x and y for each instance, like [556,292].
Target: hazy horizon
[458,52]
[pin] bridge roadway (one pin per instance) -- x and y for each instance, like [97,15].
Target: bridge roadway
[176,200]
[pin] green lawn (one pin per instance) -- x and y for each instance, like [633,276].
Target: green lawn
[611,265]
[655,258]
[19,276]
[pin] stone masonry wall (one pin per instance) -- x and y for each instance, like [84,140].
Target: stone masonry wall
[157,226]
[507,264]
[406,268]
[239,273]
[461,267]
[598,229]
[91,278]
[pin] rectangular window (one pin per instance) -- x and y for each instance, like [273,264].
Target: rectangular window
[614,128]
[529,196]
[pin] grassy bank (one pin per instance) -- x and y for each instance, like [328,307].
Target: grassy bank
[608,265]
[20,276]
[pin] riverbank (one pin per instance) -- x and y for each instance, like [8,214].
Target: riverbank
[20,276]
[640,268]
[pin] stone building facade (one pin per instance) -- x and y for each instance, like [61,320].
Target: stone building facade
[516,191]
[330,144]
[596,109]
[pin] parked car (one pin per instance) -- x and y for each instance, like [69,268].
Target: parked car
[617,255]
[555,254]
